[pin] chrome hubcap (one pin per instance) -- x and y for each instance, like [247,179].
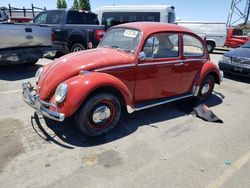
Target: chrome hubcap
[205,89]
[101,114]
[77,48]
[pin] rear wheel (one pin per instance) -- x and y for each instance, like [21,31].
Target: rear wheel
[77,47]
[206,87]
[100,114]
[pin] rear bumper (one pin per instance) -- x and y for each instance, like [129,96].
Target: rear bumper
[24,55]
[234,69]
[42,108]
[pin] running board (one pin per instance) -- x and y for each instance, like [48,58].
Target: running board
[145,105]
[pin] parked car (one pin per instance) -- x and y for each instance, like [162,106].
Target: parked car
[216,32]
[74,30]
[235,37]
[24,43]
[237,61]
[119,14]
[3,16]
[136,66]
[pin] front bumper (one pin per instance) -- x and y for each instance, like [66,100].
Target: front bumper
[41,107]
[236,69]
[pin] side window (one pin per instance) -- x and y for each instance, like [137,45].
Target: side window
[75,17]
[41,18]
[162,46]
[192,46]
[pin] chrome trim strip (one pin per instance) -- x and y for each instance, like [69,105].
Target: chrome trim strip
[131,110]
[221,76]
[195,90]
[114,67]
[171,62]
[146,64]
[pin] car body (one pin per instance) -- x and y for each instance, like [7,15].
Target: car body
[136,66]
[237,61]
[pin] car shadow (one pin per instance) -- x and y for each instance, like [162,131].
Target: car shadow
[237,78]
[17,72]
[65,134]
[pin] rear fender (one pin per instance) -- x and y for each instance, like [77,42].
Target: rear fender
[81,86]
[208,68]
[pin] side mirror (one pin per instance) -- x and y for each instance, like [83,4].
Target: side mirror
[142,56]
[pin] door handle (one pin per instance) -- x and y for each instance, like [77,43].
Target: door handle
[178,64]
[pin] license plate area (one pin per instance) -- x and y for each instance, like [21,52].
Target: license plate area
[238,69]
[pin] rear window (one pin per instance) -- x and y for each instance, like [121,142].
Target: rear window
[115,18]
[238,32]
[77,17]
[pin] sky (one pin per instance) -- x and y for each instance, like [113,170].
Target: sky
[186,10]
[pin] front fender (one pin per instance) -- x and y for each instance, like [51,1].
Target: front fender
[208,68]
[81,86]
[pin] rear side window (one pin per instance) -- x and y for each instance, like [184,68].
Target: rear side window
[192,46]
[115,18]
[77,17]
[41,18]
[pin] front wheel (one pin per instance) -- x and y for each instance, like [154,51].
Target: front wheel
[206,87]
[100,114]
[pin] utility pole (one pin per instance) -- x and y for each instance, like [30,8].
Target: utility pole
[239,12]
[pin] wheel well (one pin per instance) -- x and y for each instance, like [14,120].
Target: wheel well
[108,89]
[76,39]
[217,79]
[210,41]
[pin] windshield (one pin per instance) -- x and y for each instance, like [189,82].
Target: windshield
[246,45]
[122,39]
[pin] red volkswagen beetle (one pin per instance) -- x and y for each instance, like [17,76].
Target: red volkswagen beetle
[136,65]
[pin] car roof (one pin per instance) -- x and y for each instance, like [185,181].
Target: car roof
[153,27]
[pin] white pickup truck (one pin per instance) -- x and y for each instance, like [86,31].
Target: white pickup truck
[24,43]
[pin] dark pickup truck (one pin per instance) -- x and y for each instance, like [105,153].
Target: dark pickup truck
[73,30]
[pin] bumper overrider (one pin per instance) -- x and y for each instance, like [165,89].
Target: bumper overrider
[41,107]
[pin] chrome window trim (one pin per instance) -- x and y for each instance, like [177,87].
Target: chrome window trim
[115,67]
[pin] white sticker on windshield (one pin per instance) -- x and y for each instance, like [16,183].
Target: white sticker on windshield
[130,33]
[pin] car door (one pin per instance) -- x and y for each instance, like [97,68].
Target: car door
[194,56]
[159,74]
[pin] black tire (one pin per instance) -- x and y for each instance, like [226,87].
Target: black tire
[105,108]
[210,46]
[77,47]
[206,87]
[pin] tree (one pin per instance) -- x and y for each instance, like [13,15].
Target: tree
[75,4]
[61,4]
[84,5]
[64,4]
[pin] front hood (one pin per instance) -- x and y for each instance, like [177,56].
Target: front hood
[239,52]
[70,65]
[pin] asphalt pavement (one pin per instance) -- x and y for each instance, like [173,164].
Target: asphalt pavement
[160,147]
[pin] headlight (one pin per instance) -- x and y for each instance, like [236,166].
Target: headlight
[38,74]
[226,59]
[61,92]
